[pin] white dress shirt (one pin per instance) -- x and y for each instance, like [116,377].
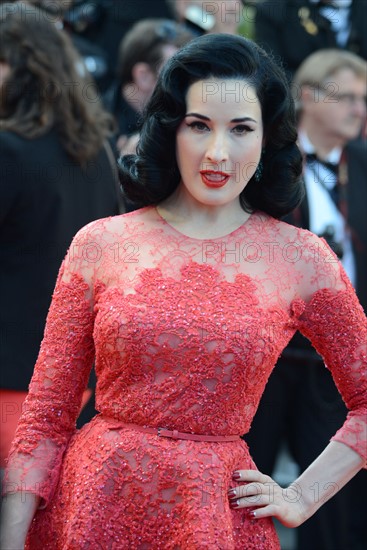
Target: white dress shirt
[322,209]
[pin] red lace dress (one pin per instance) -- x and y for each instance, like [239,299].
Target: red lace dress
[184,333]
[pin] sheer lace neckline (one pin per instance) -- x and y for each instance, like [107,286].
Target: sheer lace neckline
[185,236]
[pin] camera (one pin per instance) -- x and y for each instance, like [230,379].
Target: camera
[329,235]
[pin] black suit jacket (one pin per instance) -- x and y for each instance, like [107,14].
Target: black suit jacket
[357,201]
[45,198]
[280,29]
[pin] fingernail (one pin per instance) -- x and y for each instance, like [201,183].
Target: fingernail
[252,514]
[232,493]
[235,504]
[236,476]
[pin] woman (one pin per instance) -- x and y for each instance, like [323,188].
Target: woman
[186,304]
[55,177]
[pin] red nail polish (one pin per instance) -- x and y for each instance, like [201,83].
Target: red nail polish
[234,504]
[236,476]
[252,514]
[231,493]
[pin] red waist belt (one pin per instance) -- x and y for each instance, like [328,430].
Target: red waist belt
[173,434]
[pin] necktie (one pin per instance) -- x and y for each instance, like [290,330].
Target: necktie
[313,158]
[326,4]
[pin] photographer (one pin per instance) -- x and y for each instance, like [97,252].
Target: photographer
[300,404]
[103,23]
[293,29]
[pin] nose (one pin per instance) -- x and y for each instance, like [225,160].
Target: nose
[217,150]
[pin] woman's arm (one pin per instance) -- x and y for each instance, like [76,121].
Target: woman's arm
[335,323]
[50,411]
[336,465]
[17,512]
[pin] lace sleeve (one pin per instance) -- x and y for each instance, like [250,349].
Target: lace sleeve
[55,392]
[335,323]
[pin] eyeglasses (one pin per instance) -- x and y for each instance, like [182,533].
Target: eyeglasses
[349,99]
[330,96]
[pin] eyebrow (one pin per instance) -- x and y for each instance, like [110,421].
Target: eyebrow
[202,117]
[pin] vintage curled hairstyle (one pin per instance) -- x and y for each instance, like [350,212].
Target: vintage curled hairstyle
[152,174]
[44,88]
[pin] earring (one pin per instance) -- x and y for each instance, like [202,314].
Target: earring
[259,171]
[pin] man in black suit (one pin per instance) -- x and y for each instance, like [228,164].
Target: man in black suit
[104,23]
[293,29]
[301,404]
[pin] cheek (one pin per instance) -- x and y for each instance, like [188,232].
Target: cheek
[250,151]
[185,148]
[331,114]
[183,153]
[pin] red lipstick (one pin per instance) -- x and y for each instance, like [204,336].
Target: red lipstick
[213,178]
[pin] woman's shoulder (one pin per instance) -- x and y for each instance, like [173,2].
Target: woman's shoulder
[101,239]
[119,226]
[312,258]
[294,244]
[285,231]
[297,233]
[14,144]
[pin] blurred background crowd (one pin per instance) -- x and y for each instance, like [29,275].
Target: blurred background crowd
[75,76]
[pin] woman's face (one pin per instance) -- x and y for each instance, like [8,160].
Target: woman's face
[219,141]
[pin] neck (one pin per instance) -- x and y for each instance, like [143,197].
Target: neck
[197,220]
[323,141]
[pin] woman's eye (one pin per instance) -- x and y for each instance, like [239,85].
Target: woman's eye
[198,126]
[242,129]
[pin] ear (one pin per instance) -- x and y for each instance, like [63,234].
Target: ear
[143,77]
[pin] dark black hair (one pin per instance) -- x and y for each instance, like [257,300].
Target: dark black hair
[152,174]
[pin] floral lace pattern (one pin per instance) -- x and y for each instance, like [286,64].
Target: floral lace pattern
[185,333]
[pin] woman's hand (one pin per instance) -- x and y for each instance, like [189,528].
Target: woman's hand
[264,498]
[258,492]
